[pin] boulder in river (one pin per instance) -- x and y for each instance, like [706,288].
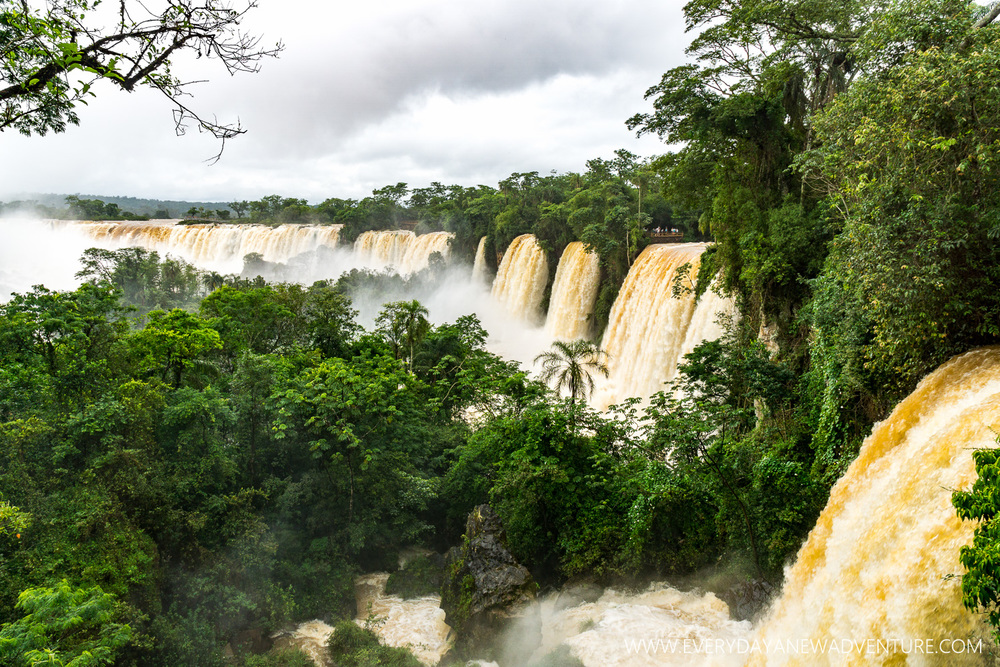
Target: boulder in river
[485,588]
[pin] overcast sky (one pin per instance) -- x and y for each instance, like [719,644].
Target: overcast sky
[368,94]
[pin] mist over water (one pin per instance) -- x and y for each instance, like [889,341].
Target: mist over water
[625,629]
[48,252]
[648,333]
[34,252]
[452,295]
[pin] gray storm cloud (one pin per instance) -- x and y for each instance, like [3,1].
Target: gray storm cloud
[365,68]
[384,91]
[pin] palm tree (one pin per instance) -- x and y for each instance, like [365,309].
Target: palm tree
[571,366]
[404,323]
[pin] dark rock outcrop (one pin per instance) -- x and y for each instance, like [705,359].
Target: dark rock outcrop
[747,599]
[485,588]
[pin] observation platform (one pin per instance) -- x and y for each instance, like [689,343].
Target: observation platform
[665,237]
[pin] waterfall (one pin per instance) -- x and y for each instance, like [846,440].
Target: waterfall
[310,638]
[521,278]
[872,585]
[647,332]
[401,249]
[479,266]
[648,327]
[878,564]
[416,624]
[212,244]
[574,292]
[706,323]
[222,246]
[383,248]
[419,251]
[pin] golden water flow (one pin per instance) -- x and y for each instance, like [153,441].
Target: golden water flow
[878,568]
[479,265]
[648,326]
[210,243]
[574,292]
[521,278]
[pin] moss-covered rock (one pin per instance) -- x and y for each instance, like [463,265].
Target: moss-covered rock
[484,586]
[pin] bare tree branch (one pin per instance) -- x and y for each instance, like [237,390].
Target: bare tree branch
[51,56]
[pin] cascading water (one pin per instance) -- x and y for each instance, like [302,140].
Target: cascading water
[574,292]
[419,251]
[521,278]
[382,248]
[622,630]
[707,322]
[877,567]
[648,326]
[401,249]
[208,245]
[223,246]
[479,266]
[640,362]
[872,585]
[416,624]
[310,638]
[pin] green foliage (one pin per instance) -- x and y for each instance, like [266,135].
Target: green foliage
[351,645]
[723,445]
[95,209]
[404,325]
[290,657]
[228,469]
[13,521]
[981,560]
[70,338]
[360,422]
[419,577]
[64,625]
[911,279]
[143,280]
[50,58]
[570,365]
[174,344]
[556,491]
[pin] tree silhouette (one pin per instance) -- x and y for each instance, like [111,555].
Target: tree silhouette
[571,366]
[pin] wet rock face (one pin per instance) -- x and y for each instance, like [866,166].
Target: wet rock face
[500,581]
[748,599]
[484,584]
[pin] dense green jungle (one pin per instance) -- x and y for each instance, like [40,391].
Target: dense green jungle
[190,460]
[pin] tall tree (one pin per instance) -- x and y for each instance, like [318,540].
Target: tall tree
[404,324]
